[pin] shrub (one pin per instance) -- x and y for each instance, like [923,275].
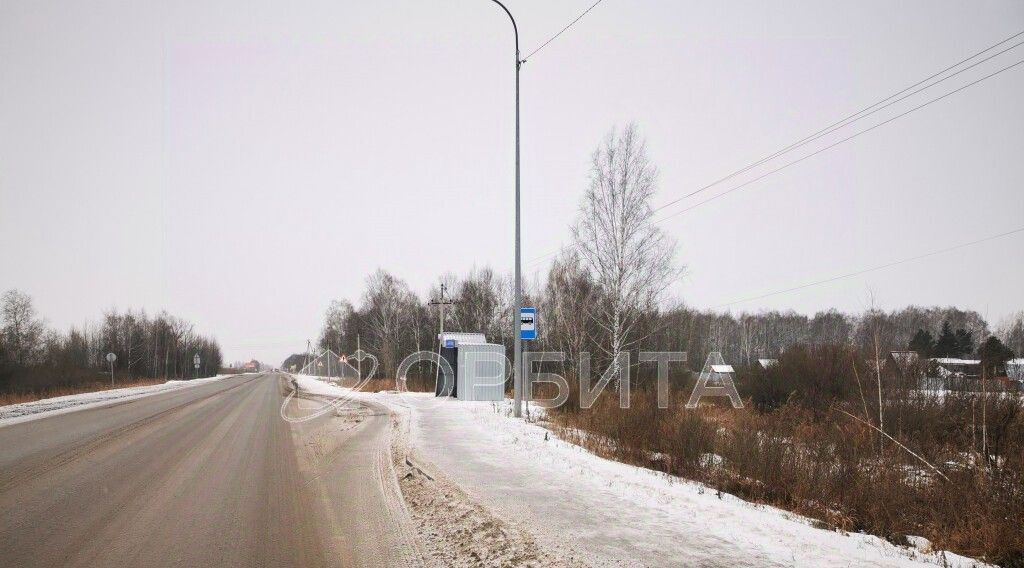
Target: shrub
[813,376]
[792,448]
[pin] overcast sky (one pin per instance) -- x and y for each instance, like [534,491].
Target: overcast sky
[240,164]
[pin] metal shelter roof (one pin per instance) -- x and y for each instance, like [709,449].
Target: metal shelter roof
[462,338]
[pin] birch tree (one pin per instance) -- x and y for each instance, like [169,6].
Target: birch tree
[630,260]
[1011,331]
[567,297]
[479,303]
[386,305]
[22,329]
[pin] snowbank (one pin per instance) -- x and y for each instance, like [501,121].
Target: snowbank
[14,413]
[319,386]
[614,513]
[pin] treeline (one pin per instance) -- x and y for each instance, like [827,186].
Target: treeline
[606,293]
[745,337]
[34,357]
[829,432]
[392,321]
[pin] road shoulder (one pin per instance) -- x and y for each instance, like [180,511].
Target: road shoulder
[46,407]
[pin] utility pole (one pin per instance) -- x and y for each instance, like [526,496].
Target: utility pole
[517,349]
[440,303]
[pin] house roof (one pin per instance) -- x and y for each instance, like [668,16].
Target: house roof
[722,368]
[954,361]
[765,363]
[904,359]
[462,338]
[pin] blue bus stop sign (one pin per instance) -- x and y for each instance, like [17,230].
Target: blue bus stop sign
[528,323]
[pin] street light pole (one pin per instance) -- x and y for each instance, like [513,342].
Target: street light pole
[517,350]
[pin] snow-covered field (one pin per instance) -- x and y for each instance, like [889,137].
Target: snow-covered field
[14,413]
[612,513]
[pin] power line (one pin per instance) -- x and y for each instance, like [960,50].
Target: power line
[560,32]
[834,144]
[873,268]
[543,256]
[859,115]
[819,151]
[835,126]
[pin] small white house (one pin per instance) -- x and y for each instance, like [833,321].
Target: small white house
[480,367]
[1015,369]
[951,367]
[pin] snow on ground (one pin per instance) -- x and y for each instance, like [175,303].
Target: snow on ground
[313,385]
[14,413]
[610,512]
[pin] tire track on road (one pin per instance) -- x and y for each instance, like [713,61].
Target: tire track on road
[31,469]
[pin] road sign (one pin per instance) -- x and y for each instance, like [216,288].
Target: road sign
[110,359]
[449,343]
[195,360]
[528,323]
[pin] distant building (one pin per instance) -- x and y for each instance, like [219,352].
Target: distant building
[948,367]
[906,363]
[1015,369]
[251,367]
[937,373]
[767,363]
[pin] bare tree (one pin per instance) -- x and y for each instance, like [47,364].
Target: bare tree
[629,259]
[337,321]
[22,329]
[33,357]
[385,303]
[180,333]
[1011,331]
[479,303]
[567,297]
[874,320]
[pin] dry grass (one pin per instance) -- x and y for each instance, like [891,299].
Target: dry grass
[375,385]
[94,386]
[804,457]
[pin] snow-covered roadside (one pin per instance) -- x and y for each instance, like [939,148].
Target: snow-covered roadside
[452,529]
[25,411]
[613,513]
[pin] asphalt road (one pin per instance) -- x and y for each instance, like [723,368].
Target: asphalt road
[210,475]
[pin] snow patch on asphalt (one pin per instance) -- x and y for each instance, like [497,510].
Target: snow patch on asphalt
[24,411]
